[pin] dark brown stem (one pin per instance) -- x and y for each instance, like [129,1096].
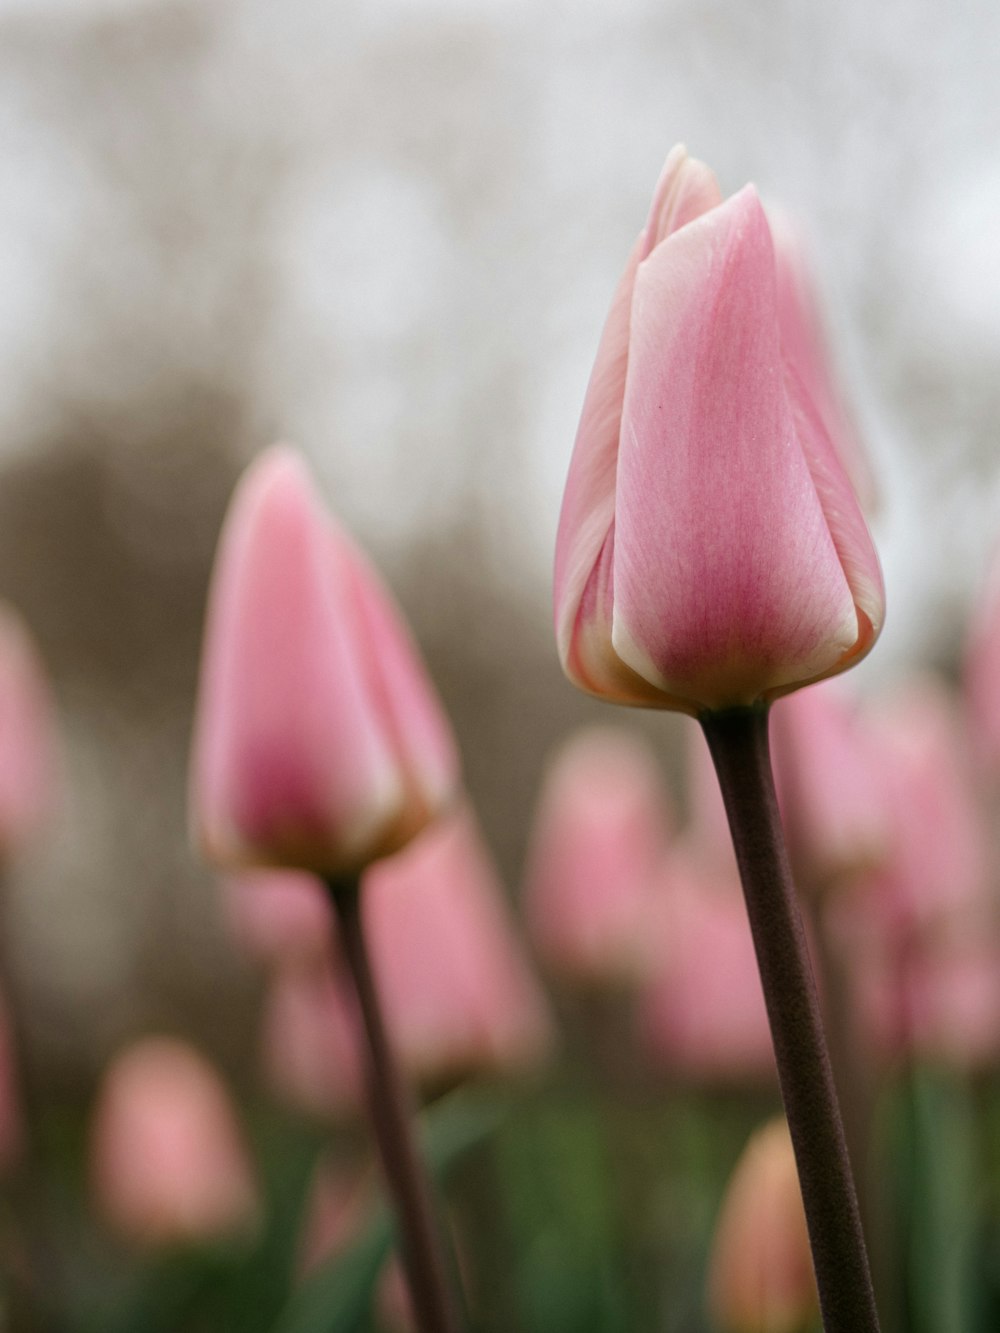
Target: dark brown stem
[739,746]
[392,1121]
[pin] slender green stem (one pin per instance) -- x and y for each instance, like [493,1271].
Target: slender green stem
[422,1251]
[739,746]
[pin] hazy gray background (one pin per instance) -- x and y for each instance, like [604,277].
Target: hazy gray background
[389,232]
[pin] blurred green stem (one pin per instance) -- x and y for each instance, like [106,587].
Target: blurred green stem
[738,741]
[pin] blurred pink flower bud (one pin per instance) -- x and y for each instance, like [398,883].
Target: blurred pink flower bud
[309,1043]
[458,993]
[982,676]
[278,917]
[938,864]
[703,1011]
[319,742]
[830,788]
[761,1275]
[168,1162]
[27,734]
[599,838]
[711,549]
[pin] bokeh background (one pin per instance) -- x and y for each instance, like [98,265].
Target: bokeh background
[389,233]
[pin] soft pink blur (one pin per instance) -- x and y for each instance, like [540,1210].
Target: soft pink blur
[760,1271]
[599,836]
[309,1042]
[711,550]
[703,1011]
[319,742]
[278,916]
[28,748]
[458,992]
[830,788]
[168,1162]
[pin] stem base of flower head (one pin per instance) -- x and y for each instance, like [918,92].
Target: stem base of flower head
[392,1122]
[738,741]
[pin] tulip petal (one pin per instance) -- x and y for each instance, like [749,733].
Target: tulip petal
[727,582]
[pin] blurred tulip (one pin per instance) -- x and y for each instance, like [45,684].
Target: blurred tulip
[277,917]
[599,836]
[829,781]
[27,734]
[761,1275]
[703,1011]
[319,743]
[309,1043]
[711,550]
[458,993]
[168,1162]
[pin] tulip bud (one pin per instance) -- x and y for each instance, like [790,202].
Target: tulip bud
[711,550]
[599,838]
[319,743]
[703,1012]
[278,917]
[309,1043]
[761,1275]
[168,1163]
[27,734]
[458,993]
[833,803]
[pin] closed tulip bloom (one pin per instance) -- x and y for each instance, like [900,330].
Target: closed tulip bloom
[830,787]
[319,742]
[459,995]
[599,838]
[761,1276]
[168,1163]
[702,1012]
[711,551]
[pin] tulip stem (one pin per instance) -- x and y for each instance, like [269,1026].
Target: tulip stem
[738,742]
[422,1251]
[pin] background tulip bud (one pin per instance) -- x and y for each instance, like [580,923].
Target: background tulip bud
[761,1276]
[599,838]
[711,550]
[319,742]
[168,1162]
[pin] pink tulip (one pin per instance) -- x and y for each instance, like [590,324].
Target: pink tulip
[168,1162]
[309,1042]
[278,917]
[830,788]
[703,1011]
[982,676]
[711,549]
[761,1275]
[27,734]
[319,743]
[457,990]
[599,837]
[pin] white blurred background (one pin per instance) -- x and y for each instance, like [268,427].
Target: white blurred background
[389,232]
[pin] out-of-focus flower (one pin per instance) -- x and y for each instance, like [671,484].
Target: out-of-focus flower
[982,676]
[761,1275]
[703,1012]
[310,1042]
[27,734]
[277,917]
[829,781]
[599,837]
[168,1162]
[711,549]
[319,742]
[458,993]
